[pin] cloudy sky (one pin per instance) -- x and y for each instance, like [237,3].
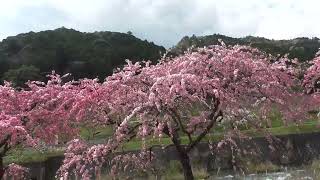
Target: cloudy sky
[165,22]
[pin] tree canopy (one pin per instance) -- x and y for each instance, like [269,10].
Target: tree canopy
[21,75]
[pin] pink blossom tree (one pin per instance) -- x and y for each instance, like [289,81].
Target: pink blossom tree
[39,113]
[311,83]
[312,77]
[186,96]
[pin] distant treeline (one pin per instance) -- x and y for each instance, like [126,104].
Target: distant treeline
[302,48]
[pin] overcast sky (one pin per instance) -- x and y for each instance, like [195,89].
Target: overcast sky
[165,22]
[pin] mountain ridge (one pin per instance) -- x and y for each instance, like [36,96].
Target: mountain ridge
[301,47]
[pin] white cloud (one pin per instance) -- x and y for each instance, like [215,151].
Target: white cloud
[164,21]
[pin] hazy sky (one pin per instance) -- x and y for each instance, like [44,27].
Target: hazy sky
[165,22]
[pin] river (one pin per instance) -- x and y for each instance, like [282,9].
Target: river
[292,174]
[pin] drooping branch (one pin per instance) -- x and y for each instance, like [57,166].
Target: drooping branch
[175,138]
[132,133]
[213,117]
[177,118]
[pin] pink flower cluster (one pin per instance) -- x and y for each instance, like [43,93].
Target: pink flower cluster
[312,77]
[14,171]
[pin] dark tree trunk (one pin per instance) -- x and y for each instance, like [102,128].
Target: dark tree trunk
[186,166]
[182,152]
[1,167]
[4,147]
[183,156]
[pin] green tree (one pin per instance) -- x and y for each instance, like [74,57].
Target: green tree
[21,75]
[4,64]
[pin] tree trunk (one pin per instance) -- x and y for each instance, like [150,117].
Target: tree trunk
[1,167]
[183,154]
[186,166]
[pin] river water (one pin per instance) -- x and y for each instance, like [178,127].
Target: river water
[294,174]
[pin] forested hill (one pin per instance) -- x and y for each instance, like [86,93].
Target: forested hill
[91,55]
[302,48]
[31,56]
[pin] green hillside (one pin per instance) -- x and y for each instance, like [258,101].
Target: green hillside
[30,56]
[69,51]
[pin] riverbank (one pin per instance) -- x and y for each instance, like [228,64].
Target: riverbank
[293,151]
[23,156]
[297,146]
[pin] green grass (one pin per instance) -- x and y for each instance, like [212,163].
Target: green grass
[308,127]
[95,133]
[32,155]
[261,167]
[314,167]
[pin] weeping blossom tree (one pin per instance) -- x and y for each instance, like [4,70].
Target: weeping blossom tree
[181,98]
[187,97]
[37,115]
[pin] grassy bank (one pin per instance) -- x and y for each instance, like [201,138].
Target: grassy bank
[34,155]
